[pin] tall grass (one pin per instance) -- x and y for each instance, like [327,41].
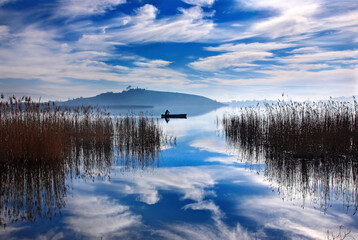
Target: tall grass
[43,147]
[310,149]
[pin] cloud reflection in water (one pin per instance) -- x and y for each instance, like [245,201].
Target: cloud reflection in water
[97,216]
[199,186]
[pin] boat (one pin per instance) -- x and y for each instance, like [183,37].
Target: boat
[173,115]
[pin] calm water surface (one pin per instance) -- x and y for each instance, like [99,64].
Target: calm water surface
[201,188]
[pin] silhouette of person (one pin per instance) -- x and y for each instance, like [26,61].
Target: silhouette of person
[167,112]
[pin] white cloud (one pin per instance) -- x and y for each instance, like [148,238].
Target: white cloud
[320,56]
[290,17]
[293,79]
[3,2]
[154,76]
[293,17]
[324,77]
[226,60]
[237,55]
[152,63]
[306,50]
[205,3]
[281,5]
[339,21]
[4,33]
[146,13]
[95,42]
[4,30]
[307,66]
[296,18]
[302,67]
[189,25]
[256,46]
[302,19]
[34,54]
[75,8]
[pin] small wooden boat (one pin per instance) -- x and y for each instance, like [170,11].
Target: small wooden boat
[173,115]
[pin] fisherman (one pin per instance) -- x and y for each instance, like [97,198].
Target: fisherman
[167,112]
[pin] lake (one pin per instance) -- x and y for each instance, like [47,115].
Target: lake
[200,187]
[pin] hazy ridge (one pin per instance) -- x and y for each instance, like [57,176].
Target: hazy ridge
[144,98]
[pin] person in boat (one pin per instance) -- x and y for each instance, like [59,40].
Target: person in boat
[167,112]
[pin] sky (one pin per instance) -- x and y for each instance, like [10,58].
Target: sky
[222,49]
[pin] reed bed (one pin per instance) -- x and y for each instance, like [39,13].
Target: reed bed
[310,149]
[44,146]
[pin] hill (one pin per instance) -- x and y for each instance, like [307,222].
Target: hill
[144,98]
[250,103]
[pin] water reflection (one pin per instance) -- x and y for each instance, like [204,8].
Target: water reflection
[199,192]
[31,191]
[309,150]
[98,216]
[43,149]
[151,215]
[200,209]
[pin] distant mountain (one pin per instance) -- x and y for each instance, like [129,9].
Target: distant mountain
[144,98]
[250,103]
[261,103]
[345,99]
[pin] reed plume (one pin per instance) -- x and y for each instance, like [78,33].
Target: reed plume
[44,146]
[309,149]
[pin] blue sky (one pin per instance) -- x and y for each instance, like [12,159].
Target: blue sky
[223,49]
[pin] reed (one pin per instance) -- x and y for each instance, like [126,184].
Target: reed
[303,130]
[310,150]
[44,146]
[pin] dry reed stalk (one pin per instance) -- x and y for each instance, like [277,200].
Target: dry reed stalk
[310,149]
[44,146]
